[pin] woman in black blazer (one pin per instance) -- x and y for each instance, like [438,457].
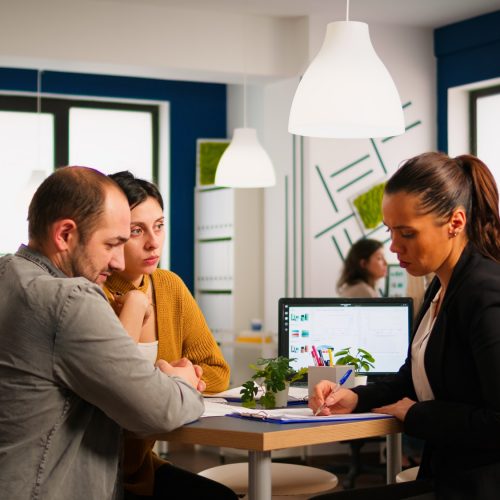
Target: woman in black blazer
[442,214]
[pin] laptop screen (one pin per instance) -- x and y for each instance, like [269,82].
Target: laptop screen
[382,326]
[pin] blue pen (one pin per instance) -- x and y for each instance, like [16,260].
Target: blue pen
[337,387]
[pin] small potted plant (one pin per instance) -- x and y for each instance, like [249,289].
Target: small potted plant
[362,361]
[272,379]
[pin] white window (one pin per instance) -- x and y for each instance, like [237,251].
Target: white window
[26,158]
[112,140]
[488,125]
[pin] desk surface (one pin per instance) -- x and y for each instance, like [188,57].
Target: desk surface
[263,436]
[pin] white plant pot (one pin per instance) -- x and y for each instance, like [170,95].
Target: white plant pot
[360,380]
[281,397]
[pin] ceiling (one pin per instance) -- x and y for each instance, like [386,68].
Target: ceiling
[418,13]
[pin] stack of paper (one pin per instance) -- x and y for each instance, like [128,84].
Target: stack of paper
[294,394]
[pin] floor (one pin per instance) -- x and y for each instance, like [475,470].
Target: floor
[197,459]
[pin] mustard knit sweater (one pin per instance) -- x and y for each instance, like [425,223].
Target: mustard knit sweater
[182,332]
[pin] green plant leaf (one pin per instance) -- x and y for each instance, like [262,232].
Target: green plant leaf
[363,359]
[268,400]
[271,374]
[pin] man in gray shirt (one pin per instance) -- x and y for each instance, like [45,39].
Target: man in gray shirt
[70,376]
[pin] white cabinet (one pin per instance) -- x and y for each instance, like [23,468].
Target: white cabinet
[229,258]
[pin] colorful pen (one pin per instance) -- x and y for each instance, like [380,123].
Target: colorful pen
[337,387]
[314,359]
[330,351]
[320,356]
[315,354]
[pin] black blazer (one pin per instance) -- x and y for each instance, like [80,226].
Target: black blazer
[461,427]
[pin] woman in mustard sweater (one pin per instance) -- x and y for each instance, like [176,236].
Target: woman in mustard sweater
[174,328]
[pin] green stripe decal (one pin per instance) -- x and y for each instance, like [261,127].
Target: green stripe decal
[301,216]
[406,104]
[337,247]
[378,156]
[359,160]
[286,236]
[414,124]
[347,236]
[215,188]
[329,228]
[294,217]
[326,188]
[354,181]
[385,139]
[213,240]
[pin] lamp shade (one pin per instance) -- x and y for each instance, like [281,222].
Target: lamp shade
[245,164]
[346,91]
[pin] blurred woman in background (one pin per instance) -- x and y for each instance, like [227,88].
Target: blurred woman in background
[364,265]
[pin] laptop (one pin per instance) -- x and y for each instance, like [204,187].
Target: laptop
[382,326]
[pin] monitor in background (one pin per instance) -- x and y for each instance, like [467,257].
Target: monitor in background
[382,326]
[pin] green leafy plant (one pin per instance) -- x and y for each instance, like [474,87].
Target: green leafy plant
[270,377]
[362,361]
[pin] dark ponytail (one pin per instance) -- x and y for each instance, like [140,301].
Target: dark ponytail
[483,226]
[443,184]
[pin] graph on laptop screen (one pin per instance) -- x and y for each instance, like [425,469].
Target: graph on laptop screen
[381,326]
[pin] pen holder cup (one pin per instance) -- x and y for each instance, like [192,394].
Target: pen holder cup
[333,373]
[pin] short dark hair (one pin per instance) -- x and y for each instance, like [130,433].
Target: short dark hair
[353,272]
[136,190]
[443,184]
[76,193]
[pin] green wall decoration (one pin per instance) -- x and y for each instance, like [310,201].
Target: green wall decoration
[369,206]
[209,154]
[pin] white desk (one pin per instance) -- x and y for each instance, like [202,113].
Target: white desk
[260,438]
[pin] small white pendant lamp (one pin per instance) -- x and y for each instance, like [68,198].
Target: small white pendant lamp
[245,163]
[346,92]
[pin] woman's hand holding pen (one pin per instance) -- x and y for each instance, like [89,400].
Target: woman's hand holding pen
[398,409]
[342,401]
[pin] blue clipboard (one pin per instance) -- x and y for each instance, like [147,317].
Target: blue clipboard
[351,417]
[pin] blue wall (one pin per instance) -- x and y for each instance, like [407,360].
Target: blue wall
[196,110]
[466,52]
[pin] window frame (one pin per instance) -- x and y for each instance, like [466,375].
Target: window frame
[474,96]
[60,106]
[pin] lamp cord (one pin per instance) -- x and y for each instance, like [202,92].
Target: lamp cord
[38,112]
[38,91]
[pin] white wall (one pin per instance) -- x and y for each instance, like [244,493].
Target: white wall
[142,39]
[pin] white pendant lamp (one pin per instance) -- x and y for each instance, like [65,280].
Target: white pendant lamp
[346,92]
[245,163]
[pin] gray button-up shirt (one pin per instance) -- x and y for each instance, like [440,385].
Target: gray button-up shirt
[70,377]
